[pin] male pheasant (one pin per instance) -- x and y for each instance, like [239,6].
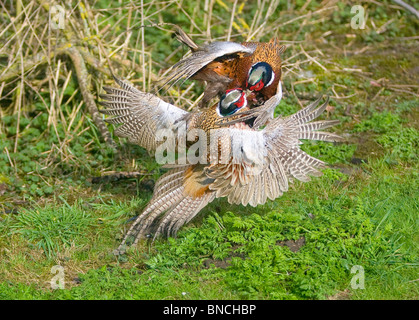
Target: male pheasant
[255,66]
[249,165]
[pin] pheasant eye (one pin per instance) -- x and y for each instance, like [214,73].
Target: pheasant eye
[260,75]
[231,101]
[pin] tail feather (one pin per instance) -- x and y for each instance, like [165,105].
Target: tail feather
[182,37]
[207,198]
[185,205]
[168,210]
[171,175]
[182,213]
[144,222]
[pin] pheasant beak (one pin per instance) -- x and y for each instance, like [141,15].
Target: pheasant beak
[250,96]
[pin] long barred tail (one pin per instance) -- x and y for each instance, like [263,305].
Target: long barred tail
[168,210]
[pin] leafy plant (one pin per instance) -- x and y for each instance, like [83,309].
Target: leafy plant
[403,144]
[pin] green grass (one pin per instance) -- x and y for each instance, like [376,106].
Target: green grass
[52,227]
[372,224]
[362,212]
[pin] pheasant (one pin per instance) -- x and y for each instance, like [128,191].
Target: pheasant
[255,66]
[248,165]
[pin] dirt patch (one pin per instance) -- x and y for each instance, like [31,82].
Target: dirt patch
[293,245]
[342,295]
[225,263]
[222,264]
[366,147]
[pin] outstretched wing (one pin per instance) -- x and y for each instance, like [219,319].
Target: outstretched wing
[249,180]
[141,114]
[204,55]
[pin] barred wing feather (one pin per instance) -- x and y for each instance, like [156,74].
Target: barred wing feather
[284,159]
[140,114]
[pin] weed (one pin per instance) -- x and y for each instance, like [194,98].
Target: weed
[52,227]
[379,123]
[403,145]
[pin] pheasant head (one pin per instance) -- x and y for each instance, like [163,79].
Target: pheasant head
[224,65]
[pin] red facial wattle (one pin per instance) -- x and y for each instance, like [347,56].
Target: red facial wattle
[260,76]
[258,86]
[240,103]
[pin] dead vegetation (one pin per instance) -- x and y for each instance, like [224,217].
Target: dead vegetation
[46,44]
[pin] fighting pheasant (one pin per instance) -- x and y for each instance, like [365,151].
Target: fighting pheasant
[223,65]
[249,165]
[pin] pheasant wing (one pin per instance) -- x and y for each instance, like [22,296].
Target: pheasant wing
[264,161]
[140,114]
[204,55]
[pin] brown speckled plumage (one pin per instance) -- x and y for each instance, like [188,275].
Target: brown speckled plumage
[225,65]
[264,52]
